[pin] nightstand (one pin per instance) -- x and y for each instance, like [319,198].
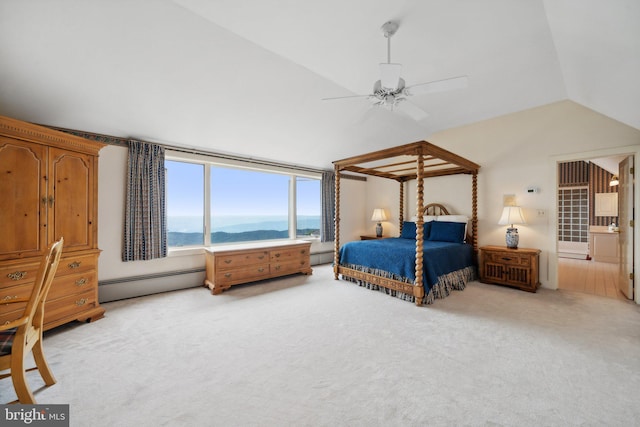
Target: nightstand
[511,267]
[371,237]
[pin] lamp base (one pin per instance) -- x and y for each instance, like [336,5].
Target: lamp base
[378,230]
[512,238]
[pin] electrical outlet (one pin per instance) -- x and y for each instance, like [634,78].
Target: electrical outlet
[541,213]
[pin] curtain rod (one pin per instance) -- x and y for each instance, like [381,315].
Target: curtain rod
[124,142]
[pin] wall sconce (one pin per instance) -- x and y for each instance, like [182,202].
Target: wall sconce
[512,215]
[378,215]
[614,181]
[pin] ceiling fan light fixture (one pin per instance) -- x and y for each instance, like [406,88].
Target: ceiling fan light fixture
[390,75]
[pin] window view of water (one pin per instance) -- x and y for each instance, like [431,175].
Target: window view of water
[188,230]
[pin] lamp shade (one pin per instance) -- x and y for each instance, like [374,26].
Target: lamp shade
[614,181]
[378,215]
[511,215]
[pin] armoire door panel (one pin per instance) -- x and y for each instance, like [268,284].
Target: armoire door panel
[22,195]
[71,186]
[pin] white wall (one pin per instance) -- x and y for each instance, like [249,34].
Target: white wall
[516,151]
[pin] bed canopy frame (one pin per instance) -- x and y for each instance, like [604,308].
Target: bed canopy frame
[417,160]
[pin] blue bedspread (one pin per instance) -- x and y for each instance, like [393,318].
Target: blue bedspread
[397,256]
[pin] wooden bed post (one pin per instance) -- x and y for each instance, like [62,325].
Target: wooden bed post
[401,216]
[474,213]
[336,222]
[418,289]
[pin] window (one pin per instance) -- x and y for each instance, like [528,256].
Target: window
[185,205]
[211,203]
[573,214]
[248,205]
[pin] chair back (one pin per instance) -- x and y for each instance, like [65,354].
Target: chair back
[44,279]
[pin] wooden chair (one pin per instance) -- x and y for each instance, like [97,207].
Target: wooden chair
[20,336]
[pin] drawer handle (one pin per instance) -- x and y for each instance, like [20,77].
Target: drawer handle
[81,282]
[504,258]
[18,275]
[227,275]
[303,251]
[81,301]
[277,267]
[261,257]
[278,255]
[261,269]
[227,261]
[74,264]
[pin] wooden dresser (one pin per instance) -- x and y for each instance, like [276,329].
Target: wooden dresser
[243,263]
[48,190]
[511,267]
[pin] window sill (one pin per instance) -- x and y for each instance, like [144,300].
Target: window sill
[175,252]
[199,250]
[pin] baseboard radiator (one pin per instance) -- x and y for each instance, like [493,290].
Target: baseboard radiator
[137,286]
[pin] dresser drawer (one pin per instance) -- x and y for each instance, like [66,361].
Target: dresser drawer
[16,311]
[18,274]
[232,261]
[70,264]
[508,259]
[289,254]
[69,306]
[72,284]
[14,292]
[290,267]
[250,273]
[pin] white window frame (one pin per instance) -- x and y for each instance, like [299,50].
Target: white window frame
[208,162]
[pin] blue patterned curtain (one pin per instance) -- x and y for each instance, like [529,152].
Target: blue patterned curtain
[145,223]
[328,203]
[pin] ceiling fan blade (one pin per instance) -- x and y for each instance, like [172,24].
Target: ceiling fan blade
[411,110]
[345,97]
[390,75]
[438,86]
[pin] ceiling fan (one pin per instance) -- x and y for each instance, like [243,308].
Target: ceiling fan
[391,92]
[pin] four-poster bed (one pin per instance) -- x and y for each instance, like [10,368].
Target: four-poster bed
[417,161]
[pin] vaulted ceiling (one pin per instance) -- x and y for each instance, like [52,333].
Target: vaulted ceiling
[247,76]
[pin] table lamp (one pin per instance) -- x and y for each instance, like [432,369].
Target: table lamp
[378,215]
[512,215]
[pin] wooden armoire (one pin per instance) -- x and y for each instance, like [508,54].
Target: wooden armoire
[48,190]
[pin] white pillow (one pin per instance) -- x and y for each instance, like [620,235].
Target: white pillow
[453,218]
[425,218]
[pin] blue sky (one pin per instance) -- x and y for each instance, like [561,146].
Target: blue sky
[235,192]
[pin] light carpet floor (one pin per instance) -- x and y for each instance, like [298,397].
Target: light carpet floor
[311,351]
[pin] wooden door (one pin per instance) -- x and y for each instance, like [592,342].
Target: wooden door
[71,186]
[23,199]
[625,238]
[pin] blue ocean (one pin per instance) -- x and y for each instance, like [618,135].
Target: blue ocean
[188,230]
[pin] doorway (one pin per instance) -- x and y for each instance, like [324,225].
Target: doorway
[593,255]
